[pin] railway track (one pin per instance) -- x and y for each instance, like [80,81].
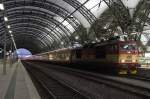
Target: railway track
[138,77]
[52,88]
[131,88]
[115,82]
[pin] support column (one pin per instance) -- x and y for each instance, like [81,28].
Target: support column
[4,60]
[10,57]
[88,34]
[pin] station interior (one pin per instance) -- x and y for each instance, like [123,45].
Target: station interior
[74,49]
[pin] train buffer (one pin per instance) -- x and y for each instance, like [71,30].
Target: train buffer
[16,83]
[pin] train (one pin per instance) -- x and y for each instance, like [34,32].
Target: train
[144,60]
[120,57]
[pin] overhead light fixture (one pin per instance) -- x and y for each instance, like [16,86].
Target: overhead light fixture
[77,37]
[62,43]
[10,51]
[5,19]
[105,27]
[97,39]
[93,42]
[10,31]
[11,35]
[1,6]
[8,26]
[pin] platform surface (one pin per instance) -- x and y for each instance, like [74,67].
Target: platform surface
[16,83]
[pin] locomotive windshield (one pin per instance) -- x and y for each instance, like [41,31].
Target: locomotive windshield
[127,46]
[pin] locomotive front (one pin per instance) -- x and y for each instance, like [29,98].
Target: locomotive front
[128,57]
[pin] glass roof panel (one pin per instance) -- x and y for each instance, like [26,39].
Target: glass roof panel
[70,28]
[97,7]
[92,4]
[52,32]
[81,1]
[65,23]
[144,39]
[58,18]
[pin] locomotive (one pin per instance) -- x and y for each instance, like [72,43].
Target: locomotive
[118,56]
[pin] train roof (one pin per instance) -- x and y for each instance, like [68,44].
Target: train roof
[92,45]
[63,49]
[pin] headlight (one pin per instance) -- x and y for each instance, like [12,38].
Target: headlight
[122,61]
[133,61]
[51,58]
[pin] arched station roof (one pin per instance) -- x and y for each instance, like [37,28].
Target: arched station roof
[45,24]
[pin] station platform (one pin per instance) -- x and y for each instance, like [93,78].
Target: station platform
[16,83]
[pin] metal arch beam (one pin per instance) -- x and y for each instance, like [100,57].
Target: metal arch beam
[56,31]
[46,23]
[25,24]
[82,9]
[19,22]
[51,26]
[42,17]
[28,44]
[40,27]
[46,5]
[25,28]
[31,33]
[28,37]
[48,48]
[32,49]
[34,29]
[45,41]
[17,37]
[62,26]
[20,33]
[33,39]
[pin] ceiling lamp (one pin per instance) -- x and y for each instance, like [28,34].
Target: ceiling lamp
[76,37]
[10,31]
[8,26]
[1,6]
[62,43]
[5,19]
